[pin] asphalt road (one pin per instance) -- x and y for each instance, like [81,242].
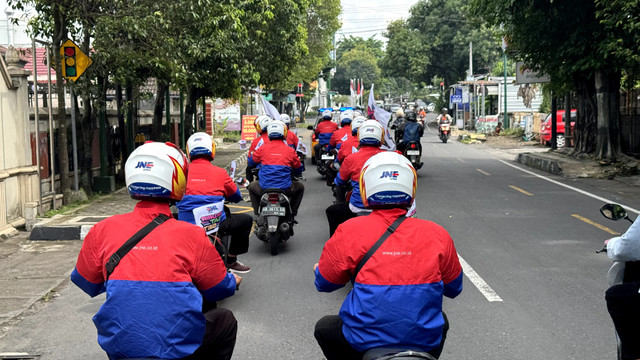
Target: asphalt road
[534,286]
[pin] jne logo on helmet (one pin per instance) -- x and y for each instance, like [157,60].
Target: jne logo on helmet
[393,175]
[144,164]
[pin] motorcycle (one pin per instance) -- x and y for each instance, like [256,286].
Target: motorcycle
[413,152]
[619,272]
[396,354]
[326,157]
[445,132]
[275,223]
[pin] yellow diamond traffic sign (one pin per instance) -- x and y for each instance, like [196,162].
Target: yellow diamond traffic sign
[74,61]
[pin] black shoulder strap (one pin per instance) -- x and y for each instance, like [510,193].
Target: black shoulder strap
[114,260]
[390,230]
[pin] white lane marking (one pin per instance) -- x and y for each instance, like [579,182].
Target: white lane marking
[460,160]
[628,208]
[479,283]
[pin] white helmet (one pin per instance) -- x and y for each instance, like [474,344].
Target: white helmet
[286,119]
[370,133]
[346,117]
[356,123]
[261,123]
[327,115]
[200,144]
[156,170]
[276,130]
[399,113]
[388,180]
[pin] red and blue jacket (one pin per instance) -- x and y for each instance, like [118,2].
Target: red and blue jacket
[154,297]
[350,172]
[277,161]
[341,135]
[397,297]
[324,130]
[348,147]
[292,140]
[206,184]
[258,142]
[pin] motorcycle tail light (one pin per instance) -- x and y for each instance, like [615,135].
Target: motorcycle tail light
[274,198]
[413,146]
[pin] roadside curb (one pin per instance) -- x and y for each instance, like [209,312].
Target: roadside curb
[538,162]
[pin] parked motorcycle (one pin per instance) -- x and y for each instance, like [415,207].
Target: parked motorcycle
[619,272]
[445,132]
[275,223]
[413,152]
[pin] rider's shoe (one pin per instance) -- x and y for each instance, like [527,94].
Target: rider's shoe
[238,268]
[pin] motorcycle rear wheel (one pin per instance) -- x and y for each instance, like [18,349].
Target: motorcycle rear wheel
[274,240]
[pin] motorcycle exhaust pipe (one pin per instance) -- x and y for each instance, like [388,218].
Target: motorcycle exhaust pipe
[284,227]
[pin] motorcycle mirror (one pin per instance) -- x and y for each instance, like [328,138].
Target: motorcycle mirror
[613,211]
[310,127]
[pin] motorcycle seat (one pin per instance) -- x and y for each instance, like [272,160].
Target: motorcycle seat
[276,190]
[384,353]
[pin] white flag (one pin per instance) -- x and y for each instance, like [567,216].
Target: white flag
[271,110]
[383,117]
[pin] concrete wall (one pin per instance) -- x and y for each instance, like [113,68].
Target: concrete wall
[19,190]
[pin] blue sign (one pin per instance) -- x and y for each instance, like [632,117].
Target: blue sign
[456,99]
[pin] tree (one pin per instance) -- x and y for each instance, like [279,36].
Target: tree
[357,58]
[576,55]
[434,41]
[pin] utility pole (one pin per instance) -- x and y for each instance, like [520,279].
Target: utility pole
[505,117]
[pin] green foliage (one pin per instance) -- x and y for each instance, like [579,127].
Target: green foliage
[434,41]
[357,58]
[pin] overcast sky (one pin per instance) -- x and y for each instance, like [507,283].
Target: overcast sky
[367,18]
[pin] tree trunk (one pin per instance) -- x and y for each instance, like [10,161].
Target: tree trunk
[156,124]
[189,111]
[568,130]
[608,140]
[121,128]
[59,34]
[586,126]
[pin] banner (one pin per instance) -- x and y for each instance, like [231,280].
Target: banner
[226,110]
[248,127]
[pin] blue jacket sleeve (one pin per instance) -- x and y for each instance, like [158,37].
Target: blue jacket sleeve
[236,197]
[453,288]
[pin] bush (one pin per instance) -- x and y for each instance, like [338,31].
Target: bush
[232,136]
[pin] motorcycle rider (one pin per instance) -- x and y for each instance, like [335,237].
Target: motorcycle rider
[260,123]
[408,131]
[208,186]
[388,306]
[443,118]
[370,137]
[292,138]
[351,145]
[278,161]
[155,295]
[335,143]
[323,132]
[623,300]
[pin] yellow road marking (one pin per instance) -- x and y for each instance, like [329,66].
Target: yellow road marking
[520,190]
[601,227]
[242,211]
[240,207]
[483,172]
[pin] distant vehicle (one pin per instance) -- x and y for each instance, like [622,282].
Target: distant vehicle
[545,129]
[431,107]
[421,103]
[394,107]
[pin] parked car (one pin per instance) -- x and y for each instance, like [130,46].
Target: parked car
[545,129]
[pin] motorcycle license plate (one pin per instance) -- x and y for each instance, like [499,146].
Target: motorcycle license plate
[327,157]
[413,152]
[273,211]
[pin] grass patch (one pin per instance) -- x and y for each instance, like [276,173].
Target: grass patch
[68,208]
[513,132]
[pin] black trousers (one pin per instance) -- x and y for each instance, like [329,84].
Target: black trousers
[219,337]
[337,214]
[623,303]
[239,227]
[334,345]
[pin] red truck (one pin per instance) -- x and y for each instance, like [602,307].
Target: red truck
[545,129]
